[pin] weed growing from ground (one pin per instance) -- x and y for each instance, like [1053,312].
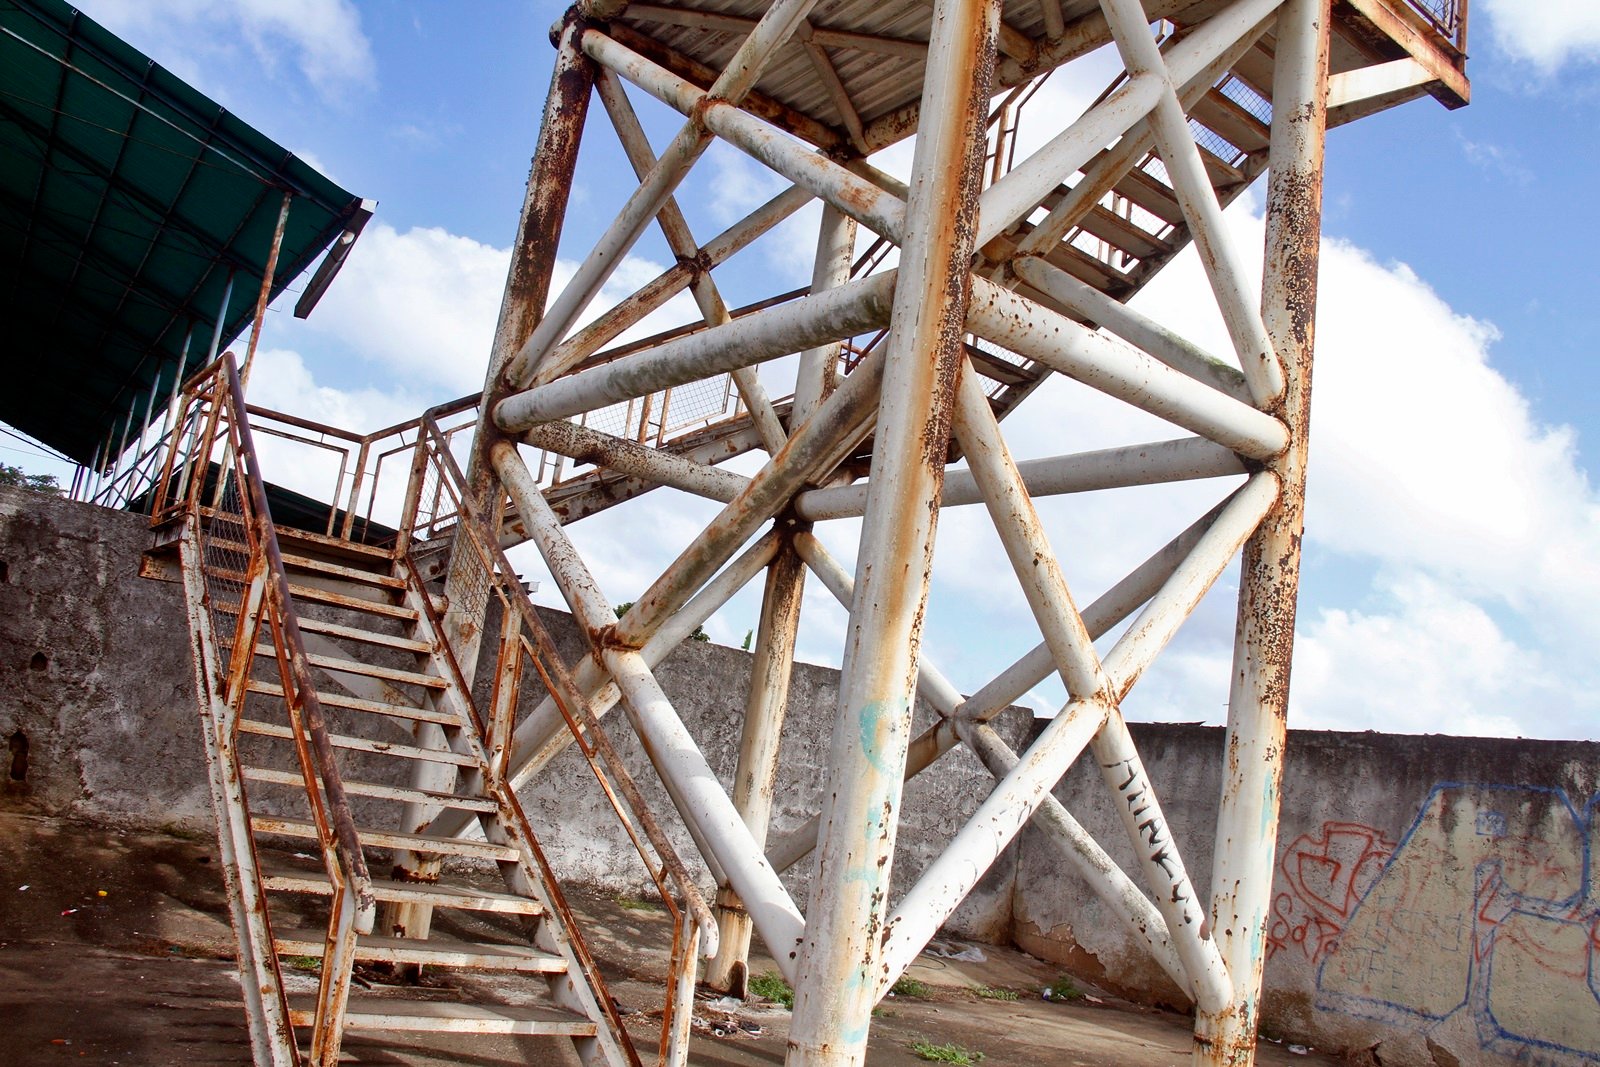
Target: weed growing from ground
[769,985]
[911,987]
[991,993]
[951,1053]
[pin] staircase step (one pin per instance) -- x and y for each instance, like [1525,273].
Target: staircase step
[362,744]
[375,707]
[383,1013]
[354,603]
[292,880]
[438,846]
[370,670]
[373,789]
[287,535]
[436,952]
[370,637]
[295,562]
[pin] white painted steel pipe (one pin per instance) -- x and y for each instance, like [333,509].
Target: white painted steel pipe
[1161,863]
[1118,370]
[1098,869]
[812,449]
[1247,819]
[669,283]
[1109,609]
[704,806]
[839,974]
[948,879]
[1020,192]
[1198,200]
[681,242]
[855,196]
[1172,605]
[1023,537]
[1180,460]
[1101,176]
[760,737]
[757,49]
[1139,330]
[756,338]
[1102,871]
[818,373]
[629,457]
[543,734]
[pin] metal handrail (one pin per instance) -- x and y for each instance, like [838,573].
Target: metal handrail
[667,871]
[218,387]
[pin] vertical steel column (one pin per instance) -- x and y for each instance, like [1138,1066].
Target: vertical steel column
[840,964]
[533,259]
[1247,823]
[758,751]
[265,295]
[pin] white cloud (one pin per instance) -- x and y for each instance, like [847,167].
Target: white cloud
[1546,33]
[321,39]
[1430,469]
[421,304]
[1431,661]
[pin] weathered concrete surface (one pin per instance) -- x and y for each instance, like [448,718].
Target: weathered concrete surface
[112,732]
[142,978]
[1433,901]
[95,677]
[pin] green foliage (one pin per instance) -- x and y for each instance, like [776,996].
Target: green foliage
[911,987]
[748,636]
[304,963]
[1064,988]
[632,903]
[39,483]
[991,993]
[951,1053]
[699,631]
[769,985]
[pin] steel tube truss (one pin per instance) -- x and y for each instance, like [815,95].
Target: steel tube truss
[1007,284]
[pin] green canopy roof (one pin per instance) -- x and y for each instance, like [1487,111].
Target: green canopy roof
[126,201]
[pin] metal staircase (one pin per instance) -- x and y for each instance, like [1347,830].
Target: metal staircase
[338,725]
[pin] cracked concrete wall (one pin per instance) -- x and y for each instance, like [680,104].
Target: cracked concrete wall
[1434,901]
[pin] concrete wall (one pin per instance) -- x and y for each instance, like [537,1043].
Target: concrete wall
[1434,901]
[95,675]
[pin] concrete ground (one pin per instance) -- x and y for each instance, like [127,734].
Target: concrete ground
[115,950]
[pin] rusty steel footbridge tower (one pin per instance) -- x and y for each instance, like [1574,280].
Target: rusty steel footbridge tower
[1003,272]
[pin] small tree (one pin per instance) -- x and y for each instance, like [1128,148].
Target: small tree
[699,631]
[39,483]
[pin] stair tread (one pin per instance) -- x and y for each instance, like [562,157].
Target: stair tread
[363,744]
[371,670]
[352,703]
[294,561]
[355,633]
[295,880]
[354,603]
[438,952]
[455,846]
[375,789]
[337,545]
[385,1013]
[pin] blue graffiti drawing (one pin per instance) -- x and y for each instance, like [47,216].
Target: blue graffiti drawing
[1485,915]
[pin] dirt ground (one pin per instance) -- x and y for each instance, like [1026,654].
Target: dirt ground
[115,950]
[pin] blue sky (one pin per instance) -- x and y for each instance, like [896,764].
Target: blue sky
[1451,570]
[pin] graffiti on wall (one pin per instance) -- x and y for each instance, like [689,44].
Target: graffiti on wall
[1483,918]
